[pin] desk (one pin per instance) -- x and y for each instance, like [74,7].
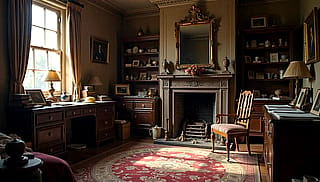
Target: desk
[51,128]
[291,147]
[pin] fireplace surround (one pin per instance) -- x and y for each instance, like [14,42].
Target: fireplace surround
[171,86]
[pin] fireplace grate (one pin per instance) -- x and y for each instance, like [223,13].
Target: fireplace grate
[196,130]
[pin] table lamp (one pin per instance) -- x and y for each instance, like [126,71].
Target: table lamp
[52,76]
[296,70]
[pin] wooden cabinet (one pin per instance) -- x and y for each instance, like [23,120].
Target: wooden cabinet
[140,63]
[142,112]
[290,150]
[264,55]
[50,128]
[256,122]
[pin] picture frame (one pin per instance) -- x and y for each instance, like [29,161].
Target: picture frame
[154,77]
[274,57]
[135,63]
[315,109]
[121,89]
[311,37]
[247,59]
[143,76]
[37,96]
[259,22]
[100,51]
[302,97]
[260,76]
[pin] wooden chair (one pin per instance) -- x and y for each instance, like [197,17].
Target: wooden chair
[241,123]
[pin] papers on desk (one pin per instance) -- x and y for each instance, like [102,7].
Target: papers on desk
[295,116]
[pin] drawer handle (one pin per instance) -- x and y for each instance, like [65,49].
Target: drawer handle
[106,122]
[49,133]
[269,163]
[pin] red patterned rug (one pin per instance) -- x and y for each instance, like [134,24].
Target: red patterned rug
[137,162]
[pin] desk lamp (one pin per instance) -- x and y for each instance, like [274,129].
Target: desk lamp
[52,76]
[296,70]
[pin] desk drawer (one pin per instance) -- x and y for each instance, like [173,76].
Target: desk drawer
[54,149]
[48,117]
[105,133]
[49,135]
[143,105]
[88,111]
[73,113]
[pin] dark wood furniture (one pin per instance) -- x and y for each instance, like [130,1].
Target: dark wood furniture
[256,122]
[241,123]
[290,147]
[50,128]
[140,63]
[142,112]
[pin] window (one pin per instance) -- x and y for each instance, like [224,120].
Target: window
[45,51]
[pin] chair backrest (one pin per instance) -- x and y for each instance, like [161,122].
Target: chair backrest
[244,109]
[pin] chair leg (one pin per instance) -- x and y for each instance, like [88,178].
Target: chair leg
[228,148]
[248,145]
[236,142]
[212,141]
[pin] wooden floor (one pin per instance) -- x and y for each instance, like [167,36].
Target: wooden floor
[75,156]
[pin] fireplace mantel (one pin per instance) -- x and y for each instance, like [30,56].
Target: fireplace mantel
[209,83]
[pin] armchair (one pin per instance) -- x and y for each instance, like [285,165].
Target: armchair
[241,123]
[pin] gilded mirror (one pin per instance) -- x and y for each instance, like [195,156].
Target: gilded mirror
[194,36]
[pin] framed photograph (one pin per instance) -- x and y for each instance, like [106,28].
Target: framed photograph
[121,89]
[259,76]
[247,59]
[154,77]
[315,109]
[274,57]
[135,63]
[259,22]
[100,51]
[37,96]
[143,76]
[311,37]
[302,97]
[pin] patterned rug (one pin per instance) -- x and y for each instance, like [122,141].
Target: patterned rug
[143,162]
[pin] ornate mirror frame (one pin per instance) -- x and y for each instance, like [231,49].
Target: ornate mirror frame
[196,17]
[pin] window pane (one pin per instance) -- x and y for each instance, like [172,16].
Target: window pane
[51,20]
[37,15]
[57,86]
[37,36]
[51,39]
[28,79]
[40,59]
[39,80]
[54,61]
[30,62]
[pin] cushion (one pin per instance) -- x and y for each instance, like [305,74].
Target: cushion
[228,128]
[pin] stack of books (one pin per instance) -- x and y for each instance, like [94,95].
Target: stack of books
[21,100]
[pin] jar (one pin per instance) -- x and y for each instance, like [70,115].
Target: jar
[63,97]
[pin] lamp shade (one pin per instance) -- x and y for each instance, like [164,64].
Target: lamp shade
[297,69]
[52,75]
[94,80]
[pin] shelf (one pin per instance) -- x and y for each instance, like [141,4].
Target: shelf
[141,54]
[141,81]
[266,48]
[269,80]
[143,67]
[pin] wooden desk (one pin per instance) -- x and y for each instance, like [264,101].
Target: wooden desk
[291,147]
[51,128]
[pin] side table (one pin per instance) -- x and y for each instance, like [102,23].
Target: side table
[28,172]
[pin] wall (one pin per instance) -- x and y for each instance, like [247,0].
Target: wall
[104,25]
[4,67]
[224,10]
[150,24]
[306,7]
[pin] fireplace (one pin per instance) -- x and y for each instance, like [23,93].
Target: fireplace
[193,99]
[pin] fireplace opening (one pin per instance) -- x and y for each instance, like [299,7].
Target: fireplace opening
[193,114]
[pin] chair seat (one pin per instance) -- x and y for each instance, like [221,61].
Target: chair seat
[228,128]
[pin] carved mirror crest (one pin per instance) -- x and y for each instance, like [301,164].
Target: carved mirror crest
[195,40]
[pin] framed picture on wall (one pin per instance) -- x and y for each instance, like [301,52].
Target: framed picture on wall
[99,51]
[311,37]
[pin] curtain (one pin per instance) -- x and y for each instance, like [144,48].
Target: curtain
[74,40]
[19,36]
